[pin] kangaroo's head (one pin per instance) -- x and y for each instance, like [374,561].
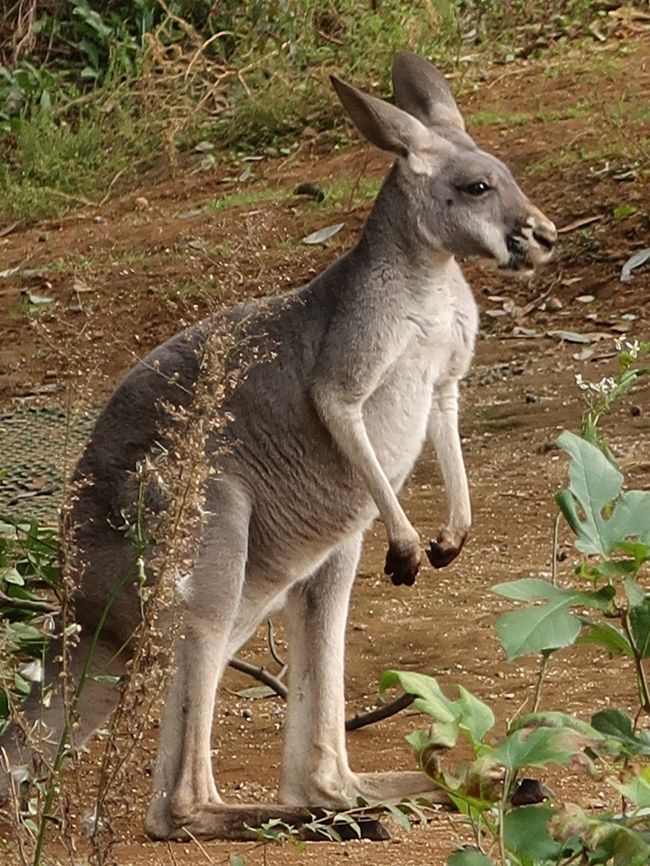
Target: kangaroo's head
[463,200]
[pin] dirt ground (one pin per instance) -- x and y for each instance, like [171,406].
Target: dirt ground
[125,275]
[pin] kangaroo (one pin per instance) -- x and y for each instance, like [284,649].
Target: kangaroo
[365,365]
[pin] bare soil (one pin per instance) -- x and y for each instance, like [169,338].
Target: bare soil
[128,274]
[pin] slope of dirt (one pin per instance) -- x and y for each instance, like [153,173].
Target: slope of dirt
[126,275]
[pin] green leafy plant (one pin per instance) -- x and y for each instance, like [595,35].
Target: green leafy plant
[29,587]
[513,817]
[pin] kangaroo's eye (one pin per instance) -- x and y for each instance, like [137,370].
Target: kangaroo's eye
[478,188]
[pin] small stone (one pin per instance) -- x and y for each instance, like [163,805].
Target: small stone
[561,554]
[531,398]
[246,714]
[554,304]
[99,219]
[141,203]
[635,411]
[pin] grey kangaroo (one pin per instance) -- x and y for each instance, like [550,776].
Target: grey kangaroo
[322,434]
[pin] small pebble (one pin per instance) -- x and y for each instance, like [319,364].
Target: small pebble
[635,411]
[554,304]
[532,398]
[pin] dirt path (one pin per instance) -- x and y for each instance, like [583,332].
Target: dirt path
[124,277]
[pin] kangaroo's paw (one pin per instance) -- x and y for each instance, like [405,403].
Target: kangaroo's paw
[403,562]
[445,548]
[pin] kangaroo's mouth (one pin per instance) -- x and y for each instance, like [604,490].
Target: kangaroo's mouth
[528,249]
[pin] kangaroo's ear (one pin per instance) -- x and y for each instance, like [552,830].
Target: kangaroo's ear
[423,91]
[388,127]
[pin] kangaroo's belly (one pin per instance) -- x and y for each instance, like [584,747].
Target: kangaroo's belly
[308,498]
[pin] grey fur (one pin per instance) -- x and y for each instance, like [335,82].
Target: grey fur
[367,360]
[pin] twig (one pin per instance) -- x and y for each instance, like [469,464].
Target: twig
[201,49]
[377,715]
[200,847]
[260,674]
[361,720]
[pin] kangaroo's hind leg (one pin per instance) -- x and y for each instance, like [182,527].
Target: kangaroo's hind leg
[315,768]
[185,798]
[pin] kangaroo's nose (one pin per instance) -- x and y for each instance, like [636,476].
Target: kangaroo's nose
[544,231]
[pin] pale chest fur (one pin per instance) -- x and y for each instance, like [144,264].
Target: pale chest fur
[442,332]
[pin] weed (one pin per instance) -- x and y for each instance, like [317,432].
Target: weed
[244,197]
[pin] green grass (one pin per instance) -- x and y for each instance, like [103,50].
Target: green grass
[348,191]
[52,165]
[247,197]
[98,109]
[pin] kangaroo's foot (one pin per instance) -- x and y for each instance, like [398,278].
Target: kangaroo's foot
[389,788]
[339,791]
[445,548]
[238,823]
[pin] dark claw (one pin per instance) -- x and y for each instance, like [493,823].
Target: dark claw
[440,556]
[402,567]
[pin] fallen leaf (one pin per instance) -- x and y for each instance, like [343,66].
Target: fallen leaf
[36,300]
[569,336]
[256,693]
[639,258]
[322,235]
[529,333]
[584,354]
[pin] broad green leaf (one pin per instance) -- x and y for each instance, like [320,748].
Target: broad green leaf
[546,627]
[476,718]
[535,588]
[630,849]
[525,833]
[469,857]
[635,593]
[430,698]
[555,719]
[640,627]
[418,740]
[637,791]
[617,726]
[607,636]
[467,713]
[595,489]
[538,748]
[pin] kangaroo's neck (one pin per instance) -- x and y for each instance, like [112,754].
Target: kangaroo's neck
[394,235]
